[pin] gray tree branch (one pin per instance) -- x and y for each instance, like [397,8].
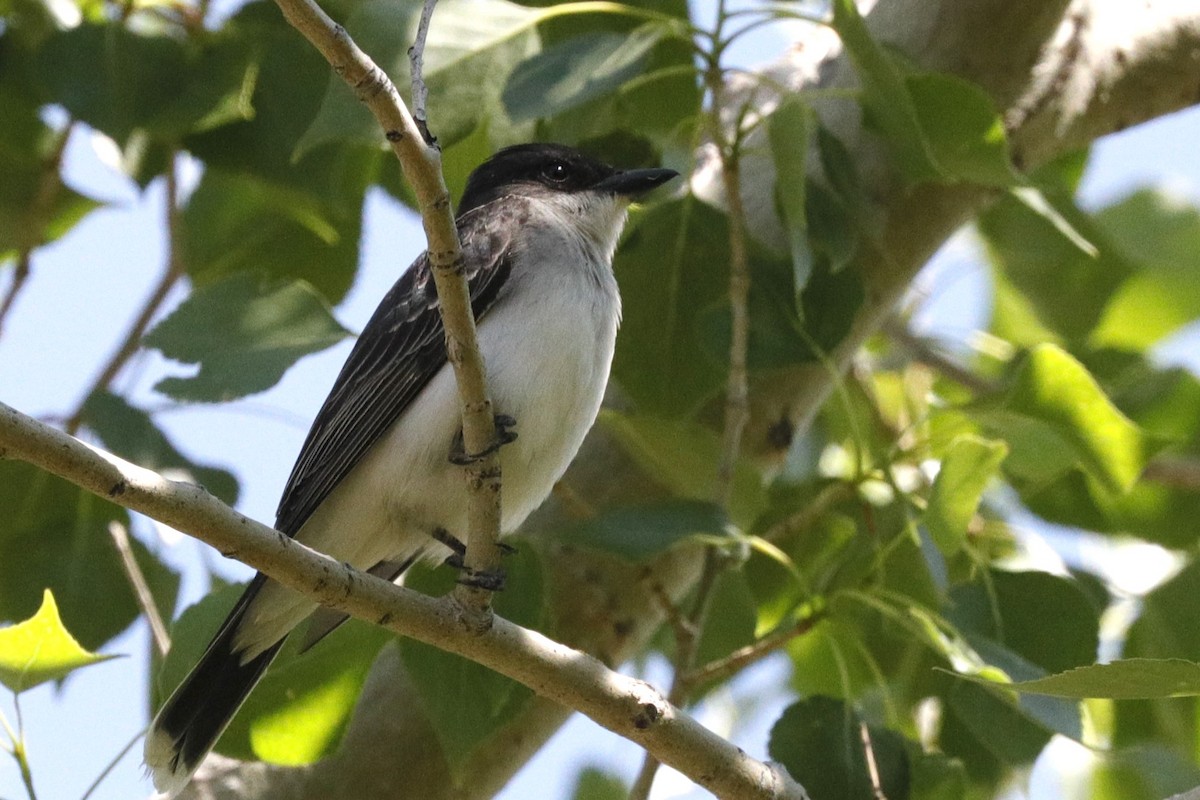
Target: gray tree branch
[624,705]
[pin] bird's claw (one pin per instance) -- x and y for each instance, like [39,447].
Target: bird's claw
[504,435]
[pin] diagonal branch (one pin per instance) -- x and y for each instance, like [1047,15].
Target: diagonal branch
[628,707]
[421,163]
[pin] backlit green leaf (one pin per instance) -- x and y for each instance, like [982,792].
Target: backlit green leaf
[1127,679]
[967,467]
[40,649]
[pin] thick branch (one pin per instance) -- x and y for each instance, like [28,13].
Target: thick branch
[625,706]
[422,166]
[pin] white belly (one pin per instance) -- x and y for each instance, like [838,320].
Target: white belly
[548,360]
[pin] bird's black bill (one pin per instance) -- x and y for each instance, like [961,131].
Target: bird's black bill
[634,182]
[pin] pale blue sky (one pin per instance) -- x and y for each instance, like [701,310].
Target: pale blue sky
[85,290]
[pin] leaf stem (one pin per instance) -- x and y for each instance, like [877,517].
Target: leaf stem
[141,589]
[18,748]
[112,764]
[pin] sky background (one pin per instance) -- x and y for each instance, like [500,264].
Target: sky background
[86,289]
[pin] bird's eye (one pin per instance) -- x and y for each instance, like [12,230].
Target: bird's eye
[556,172]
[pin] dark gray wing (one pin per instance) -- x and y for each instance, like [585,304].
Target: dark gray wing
[400,350]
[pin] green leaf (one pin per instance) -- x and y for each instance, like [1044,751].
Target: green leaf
[964,134]
[467,702]
[1058,259]
[885,97]
[569,73]
[596,784]
[683,456]
[639,533]
[1147,772]
[665,270]
[55,535]
[299,711]
[730,621]
[1055,415]
[470,51]
[236,223]
[244,334]
[1127,679]
[131,433]
[118,79]
[967,468]
[1161,235]
[790,131]
[40,649]
[820,741]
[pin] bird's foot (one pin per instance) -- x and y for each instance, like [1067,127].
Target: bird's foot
[504,435]
[491,581]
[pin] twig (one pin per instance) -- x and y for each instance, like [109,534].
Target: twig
[20,276]
[416,56]
[132,341]
[872,768]
[1175,472]
[830,495]
[752,653]
[422,167]
[737,413]
[141,589]
[624,705]
[112,764]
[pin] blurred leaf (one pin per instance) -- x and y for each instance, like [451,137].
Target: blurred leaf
[131,433]
[117,79]
[244,334]
[1162,236]
[54,535]
[683,456]
[730,621]
[1054,414]
[1127,679]
[1064,284]
[1143,773]
[967,468]
[962,129]
[887,104]
[784,333]
[567,74]
[40,649]
[936,777]
[640,533]
[596,784]
[1010,608]
[467,702]
[820,741]
[299,711]
[664,267]
[790,131]
[471,49]
[235,223]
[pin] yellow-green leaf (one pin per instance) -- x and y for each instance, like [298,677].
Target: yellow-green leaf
[40,649]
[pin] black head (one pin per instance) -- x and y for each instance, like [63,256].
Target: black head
[553,168]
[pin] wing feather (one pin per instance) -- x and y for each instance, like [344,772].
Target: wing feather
[399,351]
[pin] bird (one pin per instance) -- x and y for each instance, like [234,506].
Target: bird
[377,483]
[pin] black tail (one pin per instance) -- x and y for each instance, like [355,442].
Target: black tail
[193,718]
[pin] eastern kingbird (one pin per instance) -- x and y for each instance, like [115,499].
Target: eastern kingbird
[374,485]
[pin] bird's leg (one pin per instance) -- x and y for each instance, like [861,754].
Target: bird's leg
[504,434]
[493,581]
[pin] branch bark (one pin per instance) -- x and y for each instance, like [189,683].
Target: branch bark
[421,161]
[624,705]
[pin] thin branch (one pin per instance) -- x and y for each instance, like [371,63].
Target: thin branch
[743,657]
[112,764]
[20,276]
[737,411]
[626,706]
[422,167]
[416,55]
[141,589]
[132,341]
